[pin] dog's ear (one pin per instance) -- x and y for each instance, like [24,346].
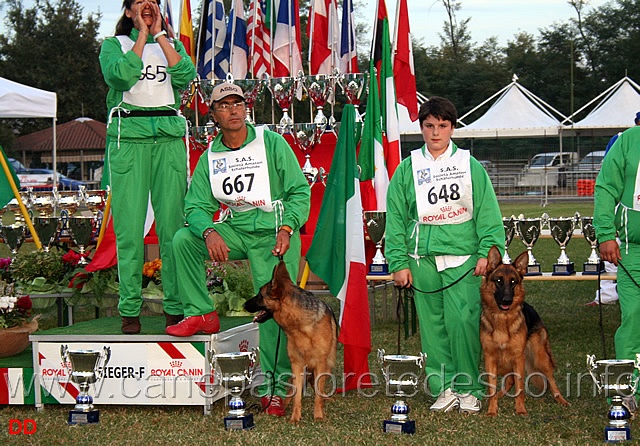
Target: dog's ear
[521,263]
[280,279]
[494,259]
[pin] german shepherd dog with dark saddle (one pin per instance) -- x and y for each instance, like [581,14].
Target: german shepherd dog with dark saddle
[514,339]
[311,330]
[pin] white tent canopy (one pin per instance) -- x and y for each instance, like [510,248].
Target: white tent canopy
[616,110]
[517,112]
[22,101]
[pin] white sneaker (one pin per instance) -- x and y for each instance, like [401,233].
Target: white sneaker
[469,404]
[447,401]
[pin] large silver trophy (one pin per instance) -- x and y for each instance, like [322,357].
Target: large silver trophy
[509,224]
[85,367]
[252,89]
[529,231]
[616,379]
[401,374]
[594,265]
[320,89]
[282,90]
[376,222]
[235,372]
[13,236]
[306,137]
[44,203]
[352,85]
[561,230]
[47,229]
[81,230]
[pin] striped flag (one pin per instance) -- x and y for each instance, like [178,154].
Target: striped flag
[403,69]
[186,30]
[222,46]
[205,41]
[341,263]
[237,38]
[381,55]
[286,41]
[322,31]
[258,41]
[168,15]
[348,55]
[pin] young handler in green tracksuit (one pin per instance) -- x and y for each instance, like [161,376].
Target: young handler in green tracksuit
[442,219]
[255,174]
[617,212]
[145,71]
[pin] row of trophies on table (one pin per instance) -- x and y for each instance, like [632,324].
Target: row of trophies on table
[615,378]
[527,229]
[53,215]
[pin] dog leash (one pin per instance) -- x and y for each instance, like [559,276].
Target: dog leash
[413,287]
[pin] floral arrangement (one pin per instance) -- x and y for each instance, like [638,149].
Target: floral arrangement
[5,271]
[43,271]
[153,271]
[230,286]
[14,311]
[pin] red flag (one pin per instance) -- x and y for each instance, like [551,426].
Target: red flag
[258,41]
[403,69]
[322,32]
[287,57]
[186,30]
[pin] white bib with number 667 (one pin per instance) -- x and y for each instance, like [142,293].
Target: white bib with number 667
[444,192]
[240,178]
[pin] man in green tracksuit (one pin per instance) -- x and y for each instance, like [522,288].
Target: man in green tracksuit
[617,212]
[442,219]
[254,173]
[145,72]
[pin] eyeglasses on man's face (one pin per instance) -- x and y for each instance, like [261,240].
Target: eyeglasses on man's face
[228,106]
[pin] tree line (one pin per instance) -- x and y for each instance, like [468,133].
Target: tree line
[55,47]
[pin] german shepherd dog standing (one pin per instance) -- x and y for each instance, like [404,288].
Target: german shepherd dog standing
[311,330]
[514,339]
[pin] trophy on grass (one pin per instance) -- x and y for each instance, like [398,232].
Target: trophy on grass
[401,374]
[376,222]
[81,231]
[13,236]
[594,265]
[85,367]
[561,231]
[509,224]
[47,229]
[235,372]
[529,231]
[616,378]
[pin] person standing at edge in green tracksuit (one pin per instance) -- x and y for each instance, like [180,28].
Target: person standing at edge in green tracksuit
[442,219]
[617,212]
[254,173]
[145,70]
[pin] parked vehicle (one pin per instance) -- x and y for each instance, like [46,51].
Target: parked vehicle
[548,169]
[592,162]
[42,179]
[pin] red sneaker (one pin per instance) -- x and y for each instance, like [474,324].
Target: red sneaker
[273,405]
[207,324]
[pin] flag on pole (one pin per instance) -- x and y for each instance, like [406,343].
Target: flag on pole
[222,46]
[403,69]
[321,30]
[341,263]
[205,40]
[168,15]
[286,41]
[186,30]
[374,181]
[258,41]
[6,191]
[348,54]
[237,41]
[381,55]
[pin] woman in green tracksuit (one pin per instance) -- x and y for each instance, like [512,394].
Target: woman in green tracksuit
[617,212]
[256,175]
[442,219]
[145,71]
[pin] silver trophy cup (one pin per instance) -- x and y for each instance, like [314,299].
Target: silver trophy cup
[594,265]
[509,224]
[616,379]
[561,231]
[252,89]
[320,89]
[352,85]
[282,90]
[401,374]
[44,203]
[47,229]
[306,137]
[375,222]
[81,230]
[529,231]
[13,236]
[85,367]
[235,372]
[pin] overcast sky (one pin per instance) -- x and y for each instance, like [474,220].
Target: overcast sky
[500,18]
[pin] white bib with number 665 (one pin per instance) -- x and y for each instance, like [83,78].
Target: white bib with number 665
[444,192]
[240,178]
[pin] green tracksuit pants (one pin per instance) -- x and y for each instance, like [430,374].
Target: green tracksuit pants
[191,252]
[137,169]
[627,339]
[449,325]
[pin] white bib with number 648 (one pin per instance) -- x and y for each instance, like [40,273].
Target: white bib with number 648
[240,178]
[444,192]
